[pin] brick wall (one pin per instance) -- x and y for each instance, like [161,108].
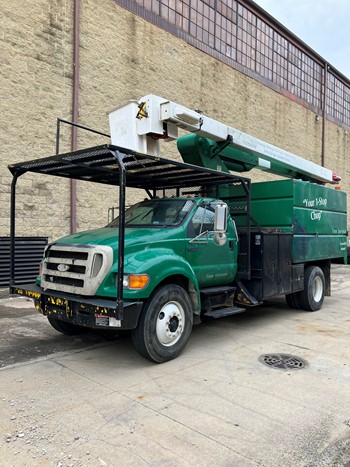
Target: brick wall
[122,57]
[35,87]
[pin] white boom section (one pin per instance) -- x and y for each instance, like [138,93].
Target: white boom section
[137,125]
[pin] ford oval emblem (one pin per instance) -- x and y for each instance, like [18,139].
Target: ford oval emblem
[63,267]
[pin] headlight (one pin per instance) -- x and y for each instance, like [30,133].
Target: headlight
[135,281]
[125,282]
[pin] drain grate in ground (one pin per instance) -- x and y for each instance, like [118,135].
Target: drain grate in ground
[282,361]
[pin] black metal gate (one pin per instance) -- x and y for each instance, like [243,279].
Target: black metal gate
[28,254]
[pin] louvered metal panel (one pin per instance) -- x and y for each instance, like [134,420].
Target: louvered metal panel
[29,252]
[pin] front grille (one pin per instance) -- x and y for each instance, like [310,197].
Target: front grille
[72,254]
[73,282]
[77,269]
[73,268]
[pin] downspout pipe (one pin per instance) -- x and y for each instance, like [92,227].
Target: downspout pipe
[324,107]
[75,111]
[13,231]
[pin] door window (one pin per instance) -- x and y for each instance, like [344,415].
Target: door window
[202,220]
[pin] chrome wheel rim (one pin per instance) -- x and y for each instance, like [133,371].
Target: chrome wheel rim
[317,288]
[170,323]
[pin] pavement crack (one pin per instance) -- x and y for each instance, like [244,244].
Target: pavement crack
[83,376]
[200,433]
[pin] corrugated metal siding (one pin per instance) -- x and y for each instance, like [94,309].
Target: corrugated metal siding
[28,254]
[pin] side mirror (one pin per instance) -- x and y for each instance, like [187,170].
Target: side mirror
[220,222]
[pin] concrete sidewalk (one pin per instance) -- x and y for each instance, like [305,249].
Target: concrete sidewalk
[99,403]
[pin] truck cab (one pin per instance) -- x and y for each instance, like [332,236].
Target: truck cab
[164,237]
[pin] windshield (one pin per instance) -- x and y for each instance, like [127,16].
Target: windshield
[156,213]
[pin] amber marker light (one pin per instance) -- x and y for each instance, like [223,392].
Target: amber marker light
[138,281]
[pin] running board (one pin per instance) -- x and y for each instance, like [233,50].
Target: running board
[222,312]
[218,290]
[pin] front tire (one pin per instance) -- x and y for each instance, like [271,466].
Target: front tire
[165,324]
[66,328]
[311,298]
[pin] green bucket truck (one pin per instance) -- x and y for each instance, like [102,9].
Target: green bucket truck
[204,244]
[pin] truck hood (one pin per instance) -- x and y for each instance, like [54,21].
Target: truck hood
[109,236]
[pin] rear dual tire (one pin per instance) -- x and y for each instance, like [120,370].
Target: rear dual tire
[311,298]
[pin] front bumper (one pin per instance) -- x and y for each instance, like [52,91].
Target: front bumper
[90,312]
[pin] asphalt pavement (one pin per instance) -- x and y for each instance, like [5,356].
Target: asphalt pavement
[270,387]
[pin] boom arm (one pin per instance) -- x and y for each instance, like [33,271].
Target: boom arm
[140,125]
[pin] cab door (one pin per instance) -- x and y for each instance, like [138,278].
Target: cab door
[213,265]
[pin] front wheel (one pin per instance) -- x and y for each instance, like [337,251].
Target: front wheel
[165,324]
[311,298]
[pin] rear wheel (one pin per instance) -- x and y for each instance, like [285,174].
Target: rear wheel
[68,329]
[311,298]
[165,324]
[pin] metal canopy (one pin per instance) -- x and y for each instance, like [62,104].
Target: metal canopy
[101,164]
[112,165]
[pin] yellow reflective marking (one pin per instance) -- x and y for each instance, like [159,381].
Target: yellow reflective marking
[28,293]
[33,294]
[58,301]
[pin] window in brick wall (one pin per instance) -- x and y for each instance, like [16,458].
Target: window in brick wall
[246,38]
[238,34]
[338,100]
[202,21]
[226,29]
[264,49]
